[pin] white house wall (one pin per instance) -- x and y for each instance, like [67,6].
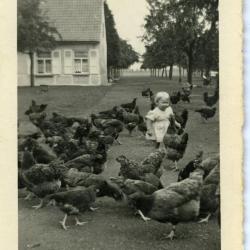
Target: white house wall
[61,78]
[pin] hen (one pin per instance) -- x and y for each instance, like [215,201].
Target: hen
[152,163]
[74,178]
[131,169]
[74,202]
[175,144]
[129,106]
[190,167]
[175,97]
[210,200]
[182,118]
[35,108]
[179,202]
[43,179]
[206,112]
[211,100]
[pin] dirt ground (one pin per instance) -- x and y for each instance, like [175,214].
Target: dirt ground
[113,226]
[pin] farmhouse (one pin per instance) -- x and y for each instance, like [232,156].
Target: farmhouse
[80,57]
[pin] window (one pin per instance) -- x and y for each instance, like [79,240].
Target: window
[44,63]
[81,62]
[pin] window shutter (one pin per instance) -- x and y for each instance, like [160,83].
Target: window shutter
[94,61]
[56,62]
[68,61]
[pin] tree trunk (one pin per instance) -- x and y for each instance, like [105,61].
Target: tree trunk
[32,77]
[190,66]
[162,72]
[171,72]
[180,78]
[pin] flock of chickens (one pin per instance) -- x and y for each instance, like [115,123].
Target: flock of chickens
[61,164]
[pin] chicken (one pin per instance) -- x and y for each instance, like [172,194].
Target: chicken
[210,163]
[185,97]
[210,198]
[206,112]
[179,202]
[42,153]
[84,163]
[211,100]
[129,106]
[74,178]
[43,179]
[111,113]
[35,108]
[131,169]
[146,92]
[175,144]
[190,167]
[74,202]
[111,127]
[37,118]
[142,127]
[152,163]
[175,97]
[130,120]
[182,118]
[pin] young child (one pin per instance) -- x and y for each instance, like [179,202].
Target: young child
[157,120]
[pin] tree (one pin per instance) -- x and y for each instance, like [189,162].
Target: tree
[183,24]
[113,40]
[127,55]
[34,33]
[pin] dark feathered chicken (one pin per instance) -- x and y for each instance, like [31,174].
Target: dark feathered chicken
[175,97]
[35,108]
[146,92]
[74,202]
[211,100]
[179,202]
[175,144]
[129,106]
[190,167]
[182,118]
[206,112]
[142,125]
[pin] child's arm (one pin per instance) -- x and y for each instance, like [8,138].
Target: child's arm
[149,124]
[177,124]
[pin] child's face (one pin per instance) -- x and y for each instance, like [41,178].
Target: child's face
[163,103]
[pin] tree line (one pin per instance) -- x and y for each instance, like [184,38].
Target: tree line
[183,33]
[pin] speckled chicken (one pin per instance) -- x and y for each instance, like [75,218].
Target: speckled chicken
[43,179]
[152,163]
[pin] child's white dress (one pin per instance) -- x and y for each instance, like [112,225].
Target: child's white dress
[160,121]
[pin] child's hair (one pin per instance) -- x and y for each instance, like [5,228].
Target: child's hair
[161,95]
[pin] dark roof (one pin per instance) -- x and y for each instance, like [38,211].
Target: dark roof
[75,20]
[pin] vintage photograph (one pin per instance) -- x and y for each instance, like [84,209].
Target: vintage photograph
[118,124]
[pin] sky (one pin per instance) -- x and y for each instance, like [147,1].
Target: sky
[129,18]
